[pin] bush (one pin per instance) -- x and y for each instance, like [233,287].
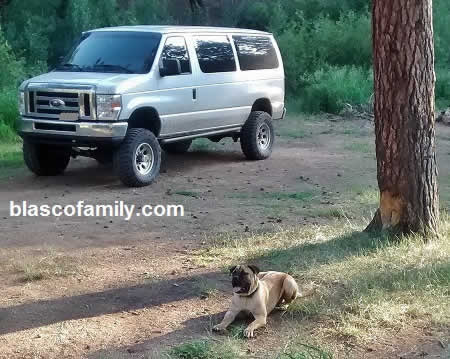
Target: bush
[8,114]
[330,88]
[12,68]
[10,76]
[311,46]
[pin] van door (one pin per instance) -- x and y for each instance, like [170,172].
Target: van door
[175,92]
[221,99]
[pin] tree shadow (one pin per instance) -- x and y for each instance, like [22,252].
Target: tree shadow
[154,348]
[200,327]
[305,256]
[47,312]
[85,172]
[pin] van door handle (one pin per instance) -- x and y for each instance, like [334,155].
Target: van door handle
[194,94]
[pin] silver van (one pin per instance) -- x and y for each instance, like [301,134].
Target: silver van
[124,93]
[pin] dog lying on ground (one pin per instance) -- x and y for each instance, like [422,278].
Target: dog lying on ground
[258,293]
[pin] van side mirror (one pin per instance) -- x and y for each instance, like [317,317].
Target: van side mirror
[170,67]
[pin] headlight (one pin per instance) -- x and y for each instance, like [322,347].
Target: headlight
[22,103]
[108,107]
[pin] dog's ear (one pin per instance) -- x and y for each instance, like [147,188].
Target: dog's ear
[232,269]
[254,268]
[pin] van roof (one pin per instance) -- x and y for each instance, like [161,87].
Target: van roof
[165,29]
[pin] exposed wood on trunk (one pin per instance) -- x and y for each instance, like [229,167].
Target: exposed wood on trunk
[404,116]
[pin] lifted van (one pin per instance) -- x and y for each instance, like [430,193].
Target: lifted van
[124,93]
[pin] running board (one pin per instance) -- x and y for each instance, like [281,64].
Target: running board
[202,134]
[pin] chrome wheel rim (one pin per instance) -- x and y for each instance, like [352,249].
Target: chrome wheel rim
[144,159]
[264,136]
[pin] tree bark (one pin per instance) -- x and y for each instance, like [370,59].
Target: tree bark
[404,116]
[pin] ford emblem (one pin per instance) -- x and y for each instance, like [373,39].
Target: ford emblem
[56,102]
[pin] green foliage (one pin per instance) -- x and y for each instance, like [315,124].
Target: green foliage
[330,88]
[205,349]
[308,48]
[8,113]
[12,72]
[326,45]
[197,349]
[12,68]
[11,156]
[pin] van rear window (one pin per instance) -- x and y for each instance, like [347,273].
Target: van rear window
[215,54]
[256,52]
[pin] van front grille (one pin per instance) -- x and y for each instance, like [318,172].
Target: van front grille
[48,103]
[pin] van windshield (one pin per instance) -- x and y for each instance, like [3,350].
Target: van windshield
[115,52]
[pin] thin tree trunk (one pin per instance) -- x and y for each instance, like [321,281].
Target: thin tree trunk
[404,116]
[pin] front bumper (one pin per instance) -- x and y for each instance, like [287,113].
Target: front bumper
[72,133]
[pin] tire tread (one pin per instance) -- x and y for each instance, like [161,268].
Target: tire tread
[249,144]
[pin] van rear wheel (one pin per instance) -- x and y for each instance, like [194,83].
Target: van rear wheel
[138,159]
[258,136]
[45,160]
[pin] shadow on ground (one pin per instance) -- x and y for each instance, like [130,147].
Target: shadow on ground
[86,172]
[47,312]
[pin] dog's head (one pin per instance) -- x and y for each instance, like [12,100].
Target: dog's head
[244,279]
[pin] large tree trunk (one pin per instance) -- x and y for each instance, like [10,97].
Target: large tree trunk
[404,116]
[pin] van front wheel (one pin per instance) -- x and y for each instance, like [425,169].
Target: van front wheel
[138,159]
[258,136]
[45,160]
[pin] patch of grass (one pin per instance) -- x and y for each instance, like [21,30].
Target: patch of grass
[330,213]
[205,287]
[8,114]
[187,194]
[293,127]
[206,349]
[305,351]
[368,196]
[360,147]
[50,266]
[296,196]
[11,155]
[444,184]
[203,145]
[353,131]
[302,196]
[368,285]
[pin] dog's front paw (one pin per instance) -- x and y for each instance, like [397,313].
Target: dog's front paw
[218,328]
[249,333]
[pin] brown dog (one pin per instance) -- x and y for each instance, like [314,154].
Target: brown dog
[257,293]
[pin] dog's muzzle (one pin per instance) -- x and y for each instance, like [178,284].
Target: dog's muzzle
[240,290]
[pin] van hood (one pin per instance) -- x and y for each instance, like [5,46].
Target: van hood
[105,83]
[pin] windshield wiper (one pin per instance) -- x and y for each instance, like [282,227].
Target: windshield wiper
[112,68]
[68,66]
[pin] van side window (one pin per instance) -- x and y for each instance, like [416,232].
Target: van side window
[215,54]
[175,49]
[256,52]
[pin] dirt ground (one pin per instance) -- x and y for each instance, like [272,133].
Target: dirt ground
[122,289]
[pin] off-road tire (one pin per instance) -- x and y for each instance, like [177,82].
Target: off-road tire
[125,158]
[251,144]
[45,160]
[177,148]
